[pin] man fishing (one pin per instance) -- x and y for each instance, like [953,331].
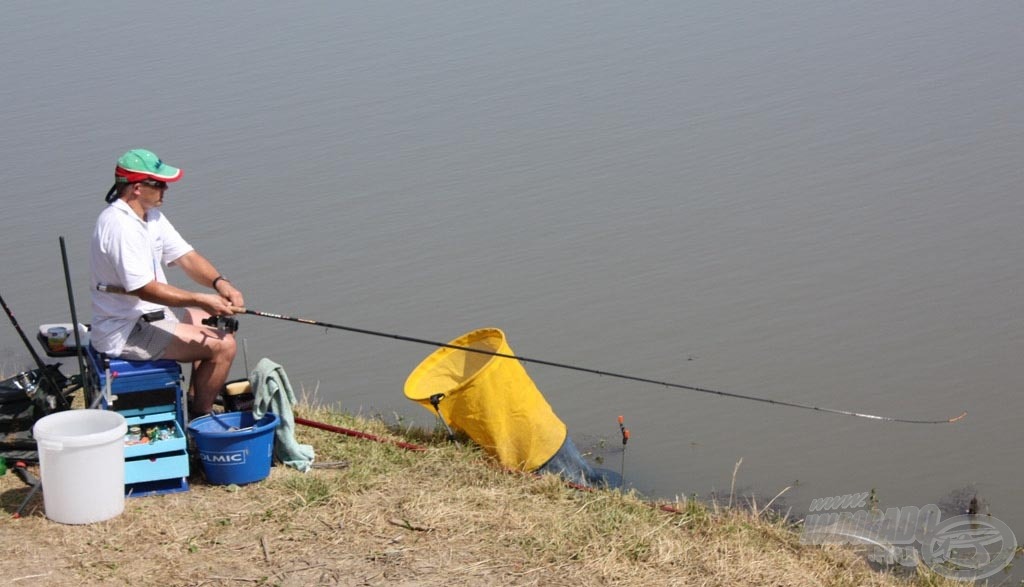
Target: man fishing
[131,300]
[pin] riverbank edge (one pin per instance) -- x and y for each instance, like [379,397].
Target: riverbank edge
[381,514]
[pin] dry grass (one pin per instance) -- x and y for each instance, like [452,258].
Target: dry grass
[446,516]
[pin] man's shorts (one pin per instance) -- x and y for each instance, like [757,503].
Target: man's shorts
[148,341]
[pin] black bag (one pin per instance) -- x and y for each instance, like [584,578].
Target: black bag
[24,399]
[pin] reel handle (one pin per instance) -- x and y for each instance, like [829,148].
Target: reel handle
[225,323]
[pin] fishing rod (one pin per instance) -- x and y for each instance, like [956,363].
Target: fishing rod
[74,314]
[358,434]
[21,333]
[599,372]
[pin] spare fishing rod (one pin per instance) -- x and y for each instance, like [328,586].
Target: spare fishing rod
[600,372]
[358,434]
[74,313]
[21,333]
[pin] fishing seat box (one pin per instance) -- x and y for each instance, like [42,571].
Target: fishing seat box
[149,395]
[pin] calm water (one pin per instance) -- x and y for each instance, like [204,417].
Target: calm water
[814,203]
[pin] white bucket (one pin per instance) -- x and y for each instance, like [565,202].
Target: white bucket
[81,464]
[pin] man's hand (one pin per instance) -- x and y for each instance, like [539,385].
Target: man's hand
[230,293]
[215,305]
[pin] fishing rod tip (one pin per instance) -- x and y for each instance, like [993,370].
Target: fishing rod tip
[958,418]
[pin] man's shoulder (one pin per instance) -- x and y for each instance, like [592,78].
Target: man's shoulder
[111,215]
[116,210]
[113,221]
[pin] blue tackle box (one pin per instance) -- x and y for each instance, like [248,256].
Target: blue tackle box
[149,396]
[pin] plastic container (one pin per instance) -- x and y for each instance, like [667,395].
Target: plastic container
[233,447]
[56,336]
[81,465]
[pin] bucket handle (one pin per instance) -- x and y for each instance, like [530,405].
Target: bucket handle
[53,445]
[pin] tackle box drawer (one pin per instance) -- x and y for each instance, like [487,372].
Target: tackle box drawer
[166,421]
[148,402]
[163,466]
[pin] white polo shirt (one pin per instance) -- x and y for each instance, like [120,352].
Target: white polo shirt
[127,252]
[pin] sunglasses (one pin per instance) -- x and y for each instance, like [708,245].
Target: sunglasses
[160,185]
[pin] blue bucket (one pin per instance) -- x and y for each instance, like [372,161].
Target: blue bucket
[233,447]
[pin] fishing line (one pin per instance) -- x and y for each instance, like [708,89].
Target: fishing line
[600,372]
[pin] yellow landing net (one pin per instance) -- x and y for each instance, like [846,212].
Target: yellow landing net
[491,399]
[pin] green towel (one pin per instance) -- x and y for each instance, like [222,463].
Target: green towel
[272,392]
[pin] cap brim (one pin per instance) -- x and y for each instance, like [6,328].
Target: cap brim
[167,173]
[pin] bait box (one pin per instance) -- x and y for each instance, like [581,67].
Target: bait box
[70,349]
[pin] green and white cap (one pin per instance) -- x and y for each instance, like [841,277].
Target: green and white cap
[141,164]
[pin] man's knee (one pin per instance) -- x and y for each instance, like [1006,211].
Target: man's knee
[222,346]
[192,343]
[227,347]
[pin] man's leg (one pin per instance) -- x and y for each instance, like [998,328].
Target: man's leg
[211,352]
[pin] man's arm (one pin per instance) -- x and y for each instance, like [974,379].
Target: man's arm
[201,271]
[169,295]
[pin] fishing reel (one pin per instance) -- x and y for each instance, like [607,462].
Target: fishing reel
[225,323]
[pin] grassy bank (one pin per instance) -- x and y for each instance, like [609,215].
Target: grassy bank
[389,516]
